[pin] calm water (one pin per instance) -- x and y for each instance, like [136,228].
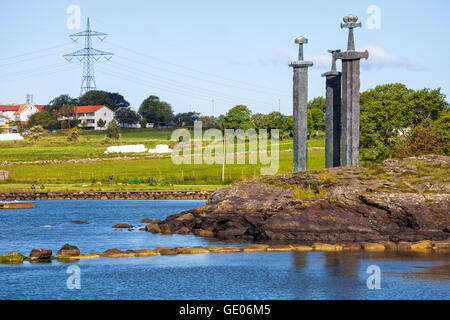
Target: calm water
[290,275]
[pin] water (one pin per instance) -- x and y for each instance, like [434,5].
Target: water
[281,275]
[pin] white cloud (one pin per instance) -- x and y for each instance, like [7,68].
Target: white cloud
[378,59]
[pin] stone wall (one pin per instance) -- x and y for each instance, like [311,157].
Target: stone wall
[109,195]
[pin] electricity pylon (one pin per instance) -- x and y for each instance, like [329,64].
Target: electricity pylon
[88,55]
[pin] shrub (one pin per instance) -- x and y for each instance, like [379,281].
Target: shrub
[74,134]
[113,130]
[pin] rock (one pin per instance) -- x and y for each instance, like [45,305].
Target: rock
[123,226]
[146,220]
[351,246]
[68,251]
[141,229]
[90,256]
[186,217]
[404,245]
[214,249]
[302,248]
[422,245]
[168,252]
[389,245]
[326,247]
[255,248]
[78,222]
[360,206]
[146,253]
[183,230]
[442,245]
[280,248]
[13,257]
[153,228]
[229,249]
[204,233]
[194,250]
[373,246]
[116,253]
[40,254]
[159,249]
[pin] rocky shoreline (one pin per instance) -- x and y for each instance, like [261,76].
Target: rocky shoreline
[400,200]
[70,253]
[109,195]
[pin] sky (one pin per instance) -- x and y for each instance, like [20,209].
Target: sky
[208,56]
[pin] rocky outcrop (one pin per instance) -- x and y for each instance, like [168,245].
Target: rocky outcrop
[68,251]
[40,254]
[123,226]
[401,200]
[13,257]
[78,222]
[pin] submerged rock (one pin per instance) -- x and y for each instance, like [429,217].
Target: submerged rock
[78,222]
[123,226]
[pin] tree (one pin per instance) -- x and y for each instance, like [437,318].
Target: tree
[35,133]
[113,130]
[390,112]
[68,112]
[127,116]
[318,119]
[260,121]
[156,111]
[98,98]
[318,102]
[143,123]
[42,118]
[118,100]
[101,123]
[62,100]
[208,121]
[238,117]
[187,118]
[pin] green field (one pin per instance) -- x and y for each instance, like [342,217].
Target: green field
[93,176]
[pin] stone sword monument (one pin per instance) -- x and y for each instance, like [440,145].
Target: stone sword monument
[333,115]
[350,94]
[300,94]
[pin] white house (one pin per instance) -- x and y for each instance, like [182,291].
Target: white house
[19,112]
[90,115]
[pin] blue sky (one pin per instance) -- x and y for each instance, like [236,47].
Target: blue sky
[235,52]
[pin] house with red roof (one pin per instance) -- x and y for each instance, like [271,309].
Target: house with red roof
[19,112]
[89,116]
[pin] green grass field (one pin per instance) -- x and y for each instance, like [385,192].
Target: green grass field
[93,176]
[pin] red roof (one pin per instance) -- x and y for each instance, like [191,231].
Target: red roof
[87,109]
[40,107]
[10,107]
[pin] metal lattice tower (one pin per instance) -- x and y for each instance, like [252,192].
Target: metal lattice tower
[88,55]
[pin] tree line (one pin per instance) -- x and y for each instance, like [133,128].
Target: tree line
[395,120]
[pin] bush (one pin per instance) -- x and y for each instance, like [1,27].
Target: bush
[35,133]
[424,140]
[74,134]
[113,130]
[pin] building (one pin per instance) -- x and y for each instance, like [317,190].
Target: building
[89,116]
[19,112]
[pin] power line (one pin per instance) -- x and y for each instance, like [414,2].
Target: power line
[195,70]
[88,55]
